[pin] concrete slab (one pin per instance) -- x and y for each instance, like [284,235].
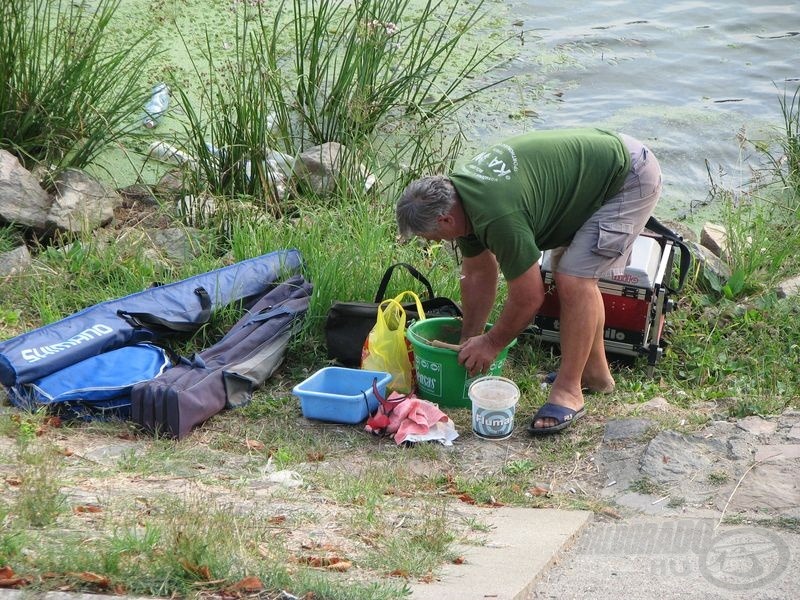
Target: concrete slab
[649,558]
[520,544]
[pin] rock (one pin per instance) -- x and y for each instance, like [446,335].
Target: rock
[177,245]
[715,238]
[321,167]
[81,203]
[776,452]
[757,425]
[626,429]
[137,193]
[15,261]
[657,404]
[794,432]
[788,287]
[671,457]
[774,486]
[171,184]
[22,199]
[710,262]
[682,230]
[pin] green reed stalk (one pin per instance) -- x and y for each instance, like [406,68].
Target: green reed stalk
[66,91]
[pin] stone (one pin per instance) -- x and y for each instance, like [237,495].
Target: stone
[81,203]
[672,457]
[789,287]
[772,486]
[657,404]
[137,193]
[709,262]
[715,238]
[15,261]
[626,429]
[176,244]
[688,234]
[22,199]
[171,183]
[320,167]
[776,452]
[757,426]
[794,432]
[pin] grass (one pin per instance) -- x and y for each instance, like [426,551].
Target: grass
[375,76]
[67,91]
[101,507]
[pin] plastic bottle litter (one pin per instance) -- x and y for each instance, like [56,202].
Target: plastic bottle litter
[169,153]
[156,106]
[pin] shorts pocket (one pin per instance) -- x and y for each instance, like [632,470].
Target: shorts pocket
[613,238]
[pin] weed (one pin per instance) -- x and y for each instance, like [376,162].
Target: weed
[351,70]
[718,477]
[476,525]
[645,485]
[519,467]
[39,500]
[676,502]
[66,92]
[416,548]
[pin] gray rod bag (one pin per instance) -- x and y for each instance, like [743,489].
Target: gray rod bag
[226,374]
[174,308]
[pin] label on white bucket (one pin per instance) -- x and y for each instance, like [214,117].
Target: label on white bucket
[494,402]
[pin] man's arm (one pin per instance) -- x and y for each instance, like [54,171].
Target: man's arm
[478,292]
[525,296]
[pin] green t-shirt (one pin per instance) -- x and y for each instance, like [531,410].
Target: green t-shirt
[534,191]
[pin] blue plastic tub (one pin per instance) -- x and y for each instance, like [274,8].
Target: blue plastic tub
[340,395]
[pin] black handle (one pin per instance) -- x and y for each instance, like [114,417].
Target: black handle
[388,275]
[162,326]
[656,226]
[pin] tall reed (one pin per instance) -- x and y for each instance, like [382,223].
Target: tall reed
[66,89]
[384,78]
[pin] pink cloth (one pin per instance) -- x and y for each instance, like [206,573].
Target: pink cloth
[413,416]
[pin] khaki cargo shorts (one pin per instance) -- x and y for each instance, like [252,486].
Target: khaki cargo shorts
[602,246]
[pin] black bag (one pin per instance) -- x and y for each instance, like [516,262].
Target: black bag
[225,374]
[348,323]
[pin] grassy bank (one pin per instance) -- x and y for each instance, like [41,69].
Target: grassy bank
[101,507]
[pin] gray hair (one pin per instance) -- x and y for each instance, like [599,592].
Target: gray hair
[422,202]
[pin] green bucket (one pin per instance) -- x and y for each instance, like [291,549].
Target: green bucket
[440,378]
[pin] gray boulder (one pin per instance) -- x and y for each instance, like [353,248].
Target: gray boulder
[320,167]
[715,238]
[710,262]
[14,262]
[788,287]
[22,199]
[81,203]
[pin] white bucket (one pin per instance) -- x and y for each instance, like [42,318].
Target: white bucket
[494,401]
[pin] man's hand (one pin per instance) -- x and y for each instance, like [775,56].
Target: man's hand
[478,353]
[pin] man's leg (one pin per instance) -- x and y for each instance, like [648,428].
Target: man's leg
[583,359]
[600,248]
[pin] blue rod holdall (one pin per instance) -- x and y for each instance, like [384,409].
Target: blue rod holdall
[181,307]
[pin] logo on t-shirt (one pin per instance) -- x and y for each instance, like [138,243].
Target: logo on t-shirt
[495,164]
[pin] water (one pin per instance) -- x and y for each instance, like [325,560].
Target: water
[688,78]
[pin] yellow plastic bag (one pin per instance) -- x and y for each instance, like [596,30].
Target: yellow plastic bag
[386,347]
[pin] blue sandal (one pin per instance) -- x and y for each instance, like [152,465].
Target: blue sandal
[565,417]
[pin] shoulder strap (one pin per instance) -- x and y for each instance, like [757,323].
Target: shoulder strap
[379,296]
[165,326]
[656,226]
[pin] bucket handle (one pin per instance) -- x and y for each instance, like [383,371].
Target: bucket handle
[435,343]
